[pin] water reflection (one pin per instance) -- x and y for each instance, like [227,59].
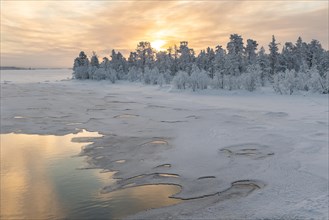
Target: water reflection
[28,173]
[39,180]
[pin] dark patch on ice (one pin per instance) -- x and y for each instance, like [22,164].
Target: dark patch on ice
[180,109]
[126,116]
[238,116]
[253,183]
[206,177]
[134,177]
[96,109]
[159,141]
[56,117]
[193,116]
[320,134]
[257,128]
[141,180]
[122,102]
[240,188]
[167,165]
[33,108]
[276,114]
[178,121]
[251,150]
[155,106]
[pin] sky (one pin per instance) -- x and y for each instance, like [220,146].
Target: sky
[52,33]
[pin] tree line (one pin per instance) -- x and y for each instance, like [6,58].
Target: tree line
[299,66]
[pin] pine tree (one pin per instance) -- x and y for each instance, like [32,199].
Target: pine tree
[250,51]
[119,64]
[80,66]
[300,54]
[235,54]
[186,57]
[145,55]
[288,57]
[273,56]
[263,62]
[94,64]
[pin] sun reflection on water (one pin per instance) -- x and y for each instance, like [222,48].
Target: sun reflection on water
[40,180]
[27,189]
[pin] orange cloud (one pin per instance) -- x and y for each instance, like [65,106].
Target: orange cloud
[59,30]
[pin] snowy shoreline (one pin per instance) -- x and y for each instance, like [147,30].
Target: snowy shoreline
[211,141]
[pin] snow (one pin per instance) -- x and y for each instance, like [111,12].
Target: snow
[279,143]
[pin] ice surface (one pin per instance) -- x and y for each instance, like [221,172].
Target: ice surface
[39,75]
[244,155]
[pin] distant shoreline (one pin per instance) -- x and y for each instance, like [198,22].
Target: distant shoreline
[25,68]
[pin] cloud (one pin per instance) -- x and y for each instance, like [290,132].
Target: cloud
[63,28]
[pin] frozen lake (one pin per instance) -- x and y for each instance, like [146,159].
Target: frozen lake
[235,154]
[34,76]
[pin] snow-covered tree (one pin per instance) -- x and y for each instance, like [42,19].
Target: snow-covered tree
[153,76]
[94,64]
[285,82]
[94,60]
[181,80]
[300,54]
[273,56]
[144,55]
[300,66]
[173,56]
[318,83]
[235,54]
[303,80]
[80,66]
[164,62]
[232,82]
[100,74]
[250,51]
[186,57]
[287,59]
[199,78]
[134,74]
[251,79]
[132,60]
[219,59]
[119,64]
[218,80]
[264,64]
[205,61]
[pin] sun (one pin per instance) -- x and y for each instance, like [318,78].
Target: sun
[157,44]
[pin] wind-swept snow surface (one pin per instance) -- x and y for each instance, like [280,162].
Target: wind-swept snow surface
[235,155]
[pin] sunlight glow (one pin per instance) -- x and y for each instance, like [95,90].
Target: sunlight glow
[25,24]
[158,45]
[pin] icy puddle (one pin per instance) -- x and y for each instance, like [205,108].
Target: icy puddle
[40,180]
